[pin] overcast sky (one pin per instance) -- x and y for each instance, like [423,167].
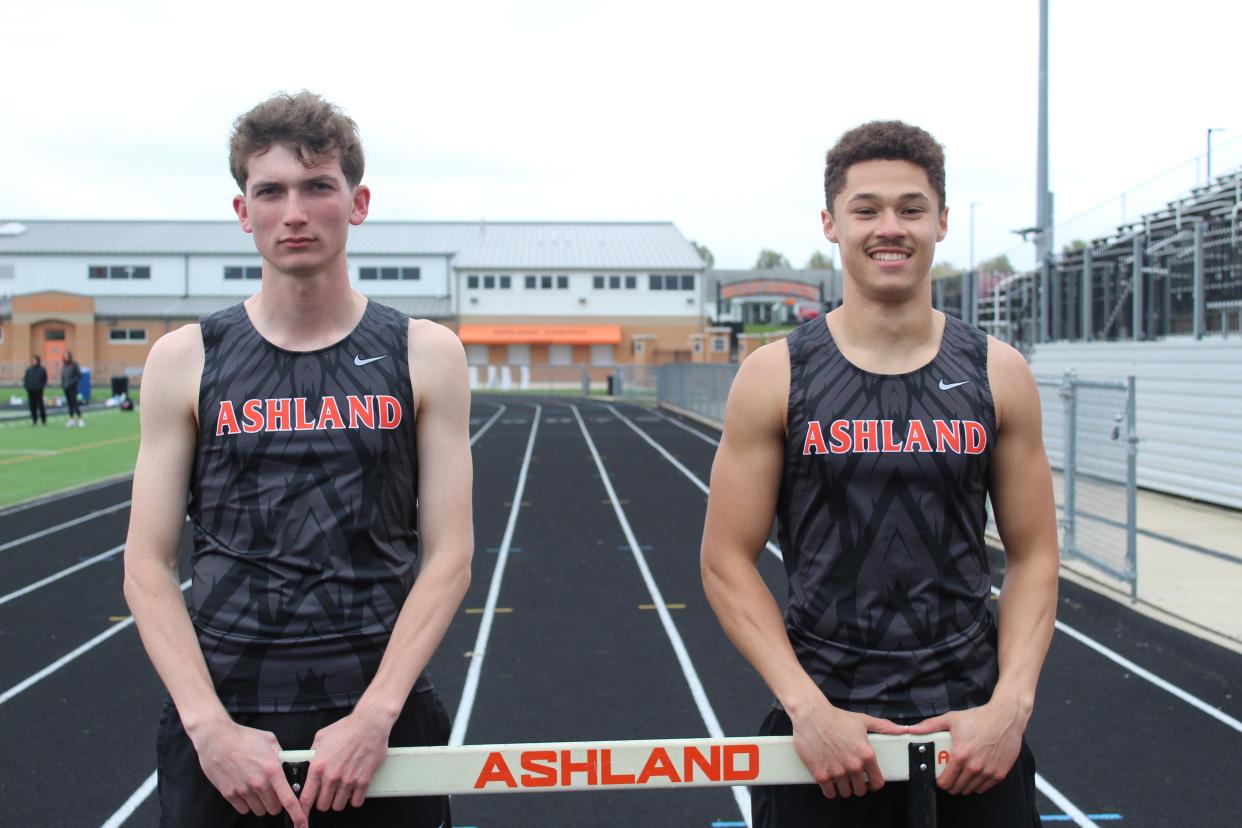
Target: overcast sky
[714,116]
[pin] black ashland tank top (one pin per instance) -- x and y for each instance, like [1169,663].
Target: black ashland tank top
[303,507]
[881,516]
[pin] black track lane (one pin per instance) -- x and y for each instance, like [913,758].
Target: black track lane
[34,560]
[79,742]
[577,659]
[668,509]
[19,521]
[497,463]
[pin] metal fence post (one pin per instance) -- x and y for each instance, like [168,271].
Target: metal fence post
[1132,488]
[1084,300]
[1200,328]
[1136,289]
[1058,320]
[1069,394]
[1045,281]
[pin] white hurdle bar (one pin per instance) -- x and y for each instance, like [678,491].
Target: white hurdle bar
[620,765]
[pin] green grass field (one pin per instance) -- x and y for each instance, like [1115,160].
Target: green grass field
[40,460]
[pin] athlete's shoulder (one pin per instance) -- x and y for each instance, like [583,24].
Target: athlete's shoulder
[1010,377]
[759,396]
[179,346]
[431,338]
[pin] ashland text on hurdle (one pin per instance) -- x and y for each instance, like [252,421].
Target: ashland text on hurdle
[544,768]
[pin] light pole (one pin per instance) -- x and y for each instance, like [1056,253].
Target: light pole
[1209,152]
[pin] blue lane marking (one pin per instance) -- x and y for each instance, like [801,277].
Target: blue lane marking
[1092,817]
[720,823]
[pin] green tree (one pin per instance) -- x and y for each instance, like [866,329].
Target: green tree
[820,261]
[998,266]
[942,269]
[1074,246]
[705,254]
[771,260]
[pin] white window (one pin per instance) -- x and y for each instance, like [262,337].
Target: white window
[135,336]
[472,282]
[719,344]
[118,272]
[602,355]
[560,354]
[519,355]
[476,354]
[638,346]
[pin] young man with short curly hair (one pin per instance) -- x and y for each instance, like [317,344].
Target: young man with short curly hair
[874,436]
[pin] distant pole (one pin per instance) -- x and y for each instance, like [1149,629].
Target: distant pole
[1043,198]
[1209,153]
[973,205]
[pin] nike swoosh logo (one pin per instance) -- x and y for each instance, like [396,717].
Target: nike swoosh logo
[358,360]
[945,386]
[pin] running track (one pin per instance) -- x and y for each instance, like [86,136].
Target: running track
[1135,724]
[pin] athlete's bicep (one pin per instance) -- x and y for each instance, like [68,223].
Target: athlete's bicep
[746,473]
[1021,480]
[166,449]
[445,474]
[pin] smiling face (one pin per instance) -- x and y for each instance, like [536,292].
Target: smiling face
[299,215]
[887,220]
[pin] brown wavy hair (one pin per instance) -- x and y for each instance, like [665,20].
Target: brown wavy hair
[884,141]
[311,127]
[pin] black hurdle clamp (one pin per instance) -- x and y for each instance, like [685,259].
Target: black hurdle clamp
[296,772]
[922,805]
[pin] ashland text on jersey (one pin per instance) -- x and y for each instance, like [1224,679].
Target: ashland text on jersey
[881,514]
[303,510]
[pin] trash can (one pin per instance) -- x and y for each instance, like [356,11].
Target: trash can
[612,385]
[84,385]
[120,386]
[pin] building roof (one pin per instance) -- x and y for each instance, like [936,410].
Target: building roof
[475,245]
[192,307]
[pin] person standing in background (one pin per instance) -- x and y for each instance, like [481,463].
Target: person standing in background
[35,381]
[70,379]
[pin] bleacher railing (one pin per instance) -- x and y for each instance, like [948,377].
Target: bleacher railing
[1177,272]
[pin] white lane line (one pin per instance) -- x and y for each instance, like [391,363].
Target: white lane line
[65,659]
[1068,808]
[706,438]
[1147,675]
[483,429]
[42,533]
[68,491]
[771,547]
[740,793]
[462,720]
[135,799]
[52,578]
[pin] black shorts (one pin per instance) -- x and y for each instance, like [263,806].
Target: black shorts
[188,799]
[1008,804]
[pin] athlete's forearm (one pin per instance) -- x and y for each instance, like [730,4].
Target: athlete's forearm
[752,620]
[155,600]
[1027,613]
[421,624]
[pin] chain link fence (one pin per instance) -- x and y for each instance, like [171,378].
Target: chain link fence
[1089,434]
[696,388]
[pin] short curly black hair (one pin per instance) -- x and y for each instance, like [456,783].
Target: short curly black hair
[887,141]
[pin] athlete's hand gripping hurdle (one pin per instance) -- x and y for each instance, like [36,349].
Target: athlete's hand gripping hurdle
[650,763]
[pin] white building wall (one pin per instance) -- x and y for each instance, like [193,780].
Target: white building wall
[1188,394]
[207,276]
[580,299]
[433,278]
[37,273]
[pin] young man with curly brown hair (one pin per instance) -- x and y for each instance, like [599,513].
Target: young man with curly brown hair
[323,442]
